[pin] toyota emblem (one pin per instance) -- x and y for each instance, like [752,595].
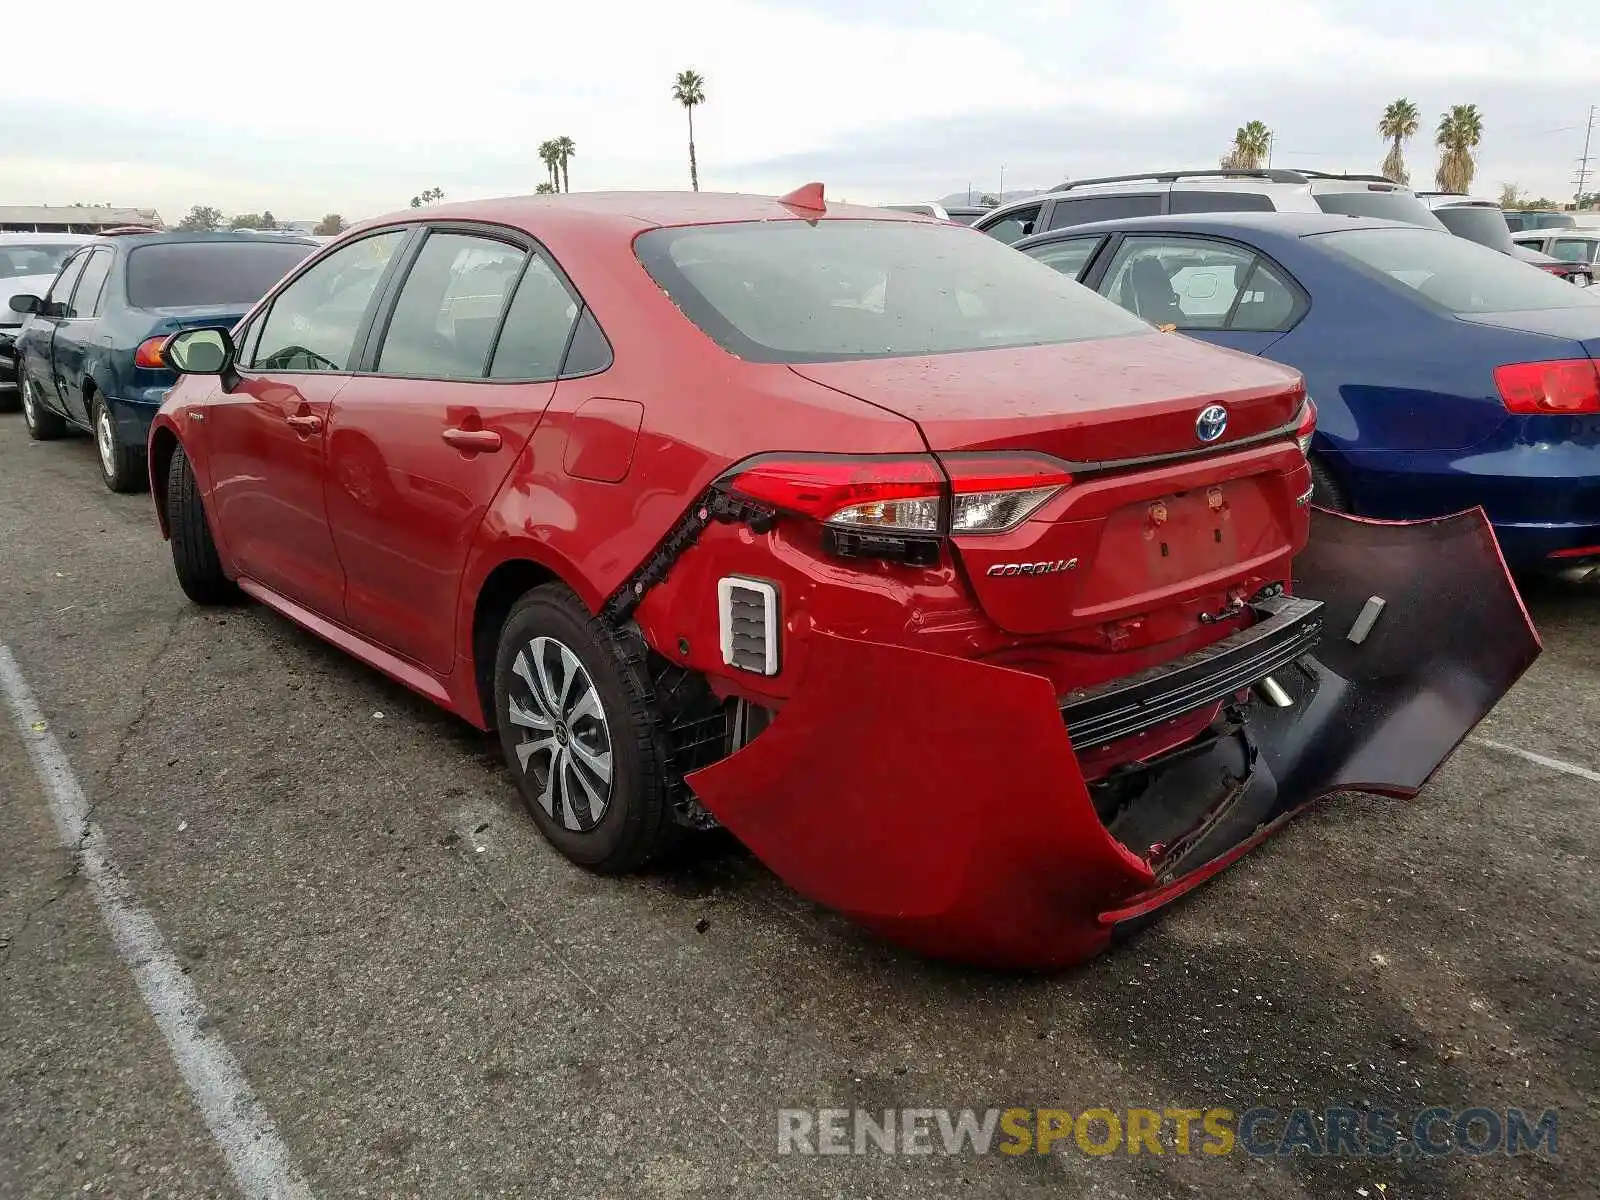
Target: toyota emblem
[1211,423]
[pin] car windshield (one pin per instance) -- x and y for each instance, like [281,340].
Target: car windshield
[1391,206]
[801,291]
[179,274]
[1477,223]
[35,258]
[1452,273]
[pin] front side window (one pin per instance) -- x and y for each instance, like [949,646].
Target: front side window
[444,321]
[1069,256]
[313,323]
[61,289]
[86,301]
[1086,209]
[1451,273]
[538,326]
[1014,226]
[1198,283]
[796,291]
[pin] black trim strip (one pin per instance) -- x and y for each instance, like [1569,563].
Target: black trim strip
[1097,716]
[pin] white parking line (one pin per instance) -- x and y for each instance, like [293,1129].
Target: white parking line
[1555,764]
[259,1160]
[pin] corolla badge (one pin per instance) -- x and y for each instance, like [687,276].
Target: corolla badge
[1211,423]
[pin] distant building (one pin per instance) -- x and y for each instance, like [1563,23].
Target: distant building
[67,218]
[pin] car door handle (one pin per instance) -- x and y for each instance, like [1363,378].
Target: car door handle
[472,441]
[305,423]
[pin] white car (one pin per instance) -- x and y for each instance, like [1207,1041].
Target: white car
[1156,193]
[28,265]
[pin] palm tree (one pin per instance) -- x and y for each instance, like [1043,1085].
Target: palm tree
[1250,143]
[564,150]
[689,89]
[1400,122]
[547,155]
[1460,131]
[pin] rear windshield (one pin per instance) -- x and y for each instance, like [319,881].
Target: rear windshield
[176,274]
[35,258]
[1391,206]
[794,291]
[1477,223]
[1454,274]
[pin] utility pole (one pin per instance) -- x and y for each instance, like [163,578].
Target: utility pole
[1583,163]
[1002,196]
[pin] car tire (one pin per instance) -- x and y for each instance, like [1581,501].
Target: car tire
[122,467]
[194,551]
[1325,489]
[583,736]
[43,425]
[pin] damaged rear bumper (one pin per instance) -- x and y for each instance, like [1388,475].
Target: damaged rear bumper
[939,801]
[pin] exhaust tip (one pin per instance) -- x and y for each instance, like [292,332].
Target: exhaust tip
[1270,690]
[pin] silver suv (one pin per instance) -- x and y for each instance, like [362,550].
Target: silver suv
[1159,192]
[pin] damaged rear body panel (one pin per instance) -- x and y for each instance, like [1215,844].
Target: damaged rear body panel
[967,810]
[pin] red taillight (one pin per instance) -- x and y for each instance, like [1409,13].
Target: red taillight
[1576,552]
[149,353]
[899,494]
[1306,427]
[1559,387]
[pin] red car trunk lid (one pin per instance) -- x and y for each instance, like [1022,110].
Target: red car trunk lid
[1084,402]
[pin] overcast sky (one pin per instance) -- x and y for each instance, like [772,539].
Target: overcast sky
[306,108]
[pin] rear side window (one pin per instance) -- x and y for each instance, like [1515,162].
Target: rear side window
[1199,283]
[86,301]
[179,274]
[1015,226]
[797,291]
[1578,250]
[1218,201]
[444,321]
[1452,273]
[537,326]
[1103,208]
[1390,206]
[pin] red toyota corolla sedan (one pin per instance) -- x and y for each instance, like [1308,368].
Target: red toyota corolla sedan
[968,601]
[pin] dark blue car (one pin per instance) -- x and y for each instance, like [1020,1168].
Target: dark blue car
[88,354]
[1445,375]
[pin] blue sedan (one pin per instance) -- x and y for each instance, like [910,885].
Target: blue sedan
[1445,375]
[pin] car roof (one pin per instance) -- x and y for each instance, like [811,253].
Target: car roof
[170,236]
[1280,224]
[635,211]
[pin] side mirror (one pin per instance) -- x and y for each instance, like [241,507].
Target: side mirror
[25,304]
[199,352]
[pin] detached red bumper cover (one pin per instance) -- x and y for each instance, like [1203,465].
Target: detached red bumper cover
[938,801]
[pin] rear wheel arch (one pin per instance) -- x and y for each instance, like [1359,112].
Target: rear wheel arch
[507,583]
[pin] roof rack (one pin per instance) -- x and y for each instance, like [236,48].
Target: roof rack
[1310,174]
[1270,174]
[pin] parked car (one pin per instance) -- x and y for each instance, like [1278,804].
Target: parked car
[87,357]
[28,262]
[1483,221]
[1115,197]
[937,579]
[922,210]
[1518,220]
[1581,246]
[1445,375]
[965,214]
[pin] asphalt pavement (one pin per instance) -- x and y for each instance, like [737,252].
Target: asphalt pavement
[421,998]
